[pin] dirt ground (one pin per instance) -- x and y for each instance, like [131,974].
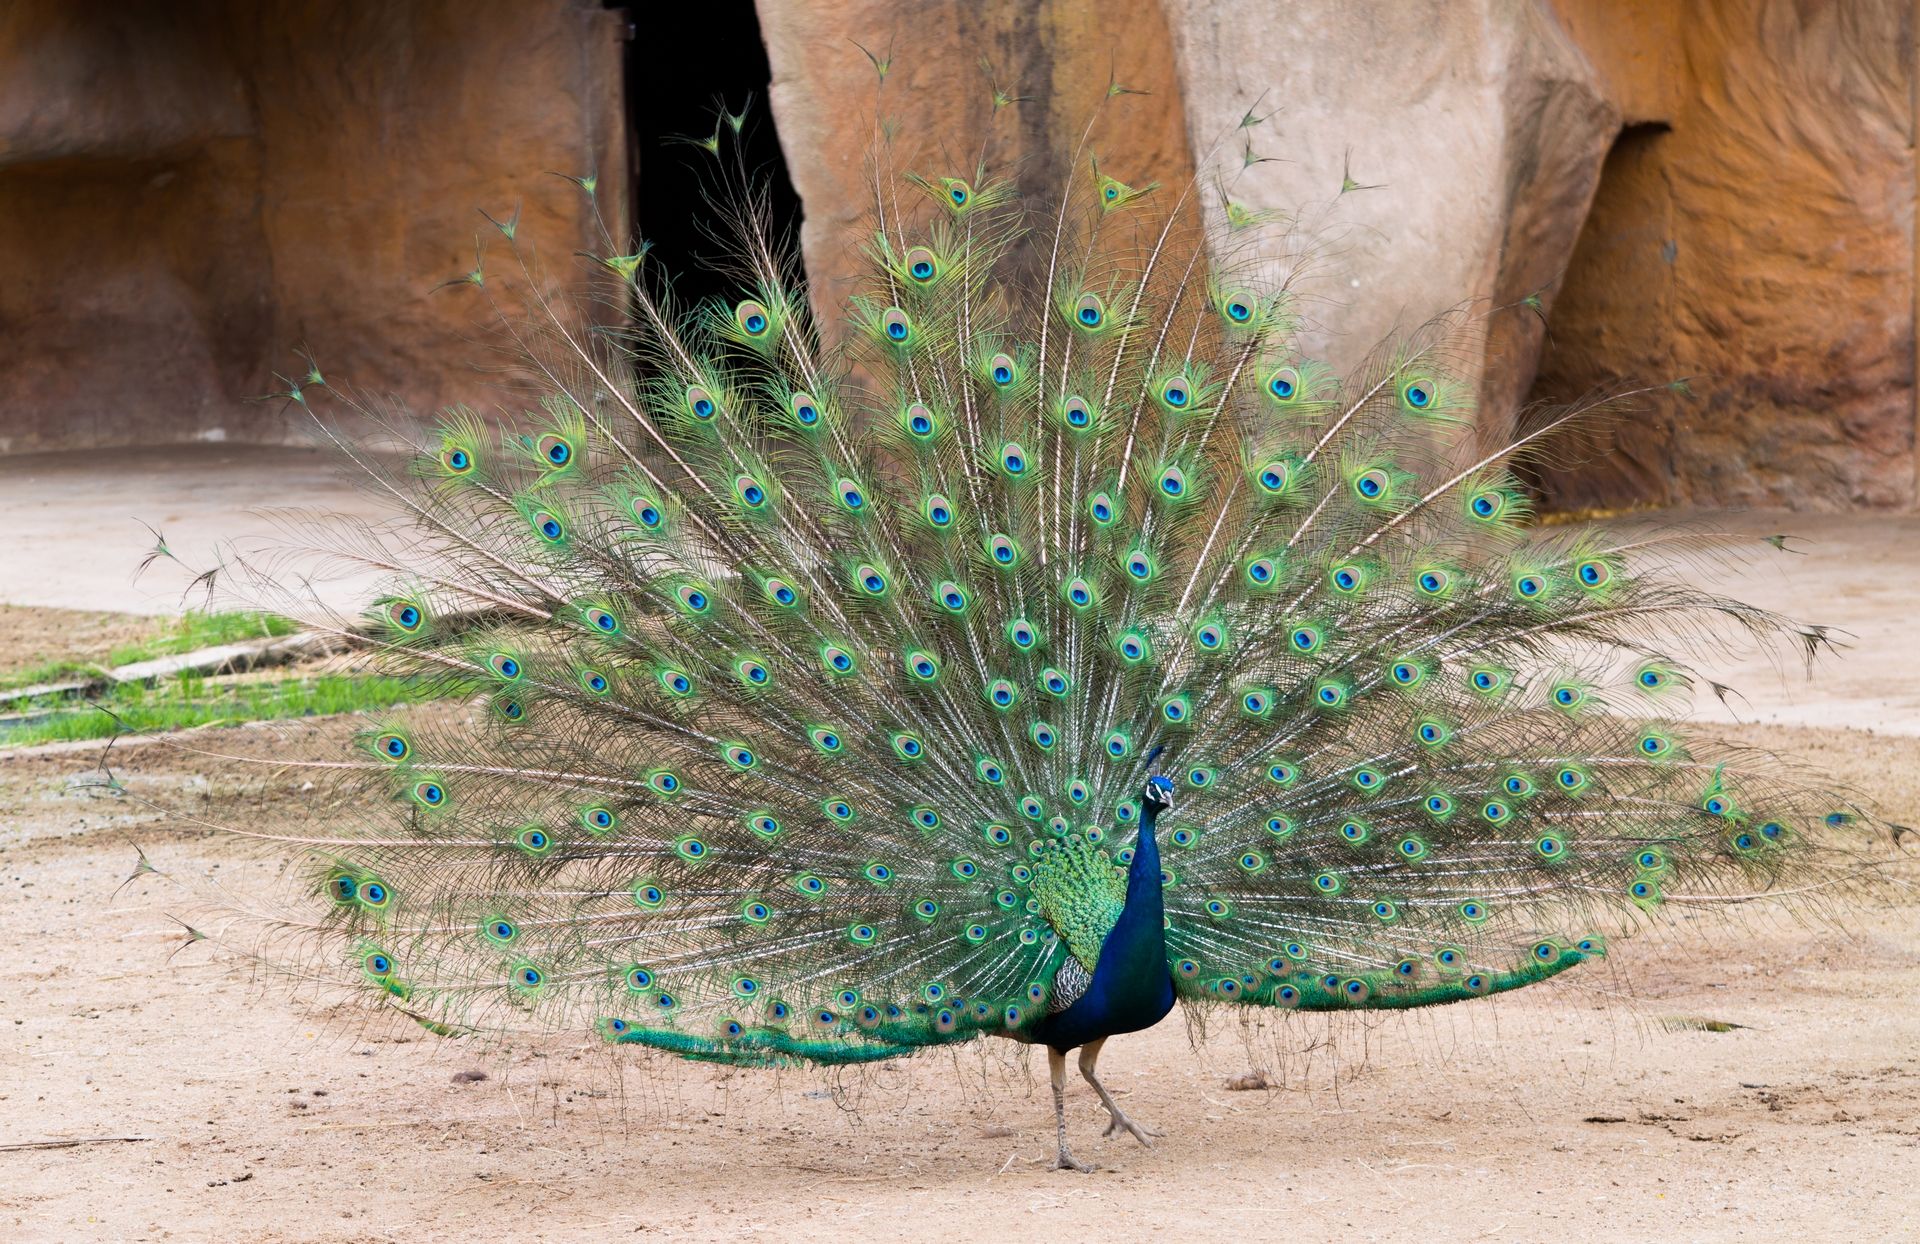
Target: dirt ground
[208,1106]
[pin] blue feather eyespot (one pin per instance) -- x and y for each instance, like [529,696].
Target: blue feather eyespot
[345,888]
[1284,385]
[809,885]
[908,747]
[1272,476]
[1432,733]
[594,682]
[826,740]
[1367,779]
[1594,573]
[1439,807]
[1327,883]
[998,835]
[1347,578]
[1495,812]
[1077,413]
[1013,460]
[1002,370]
[958,192]
[1653,744]
[1002,550]
[1176,393]
[550,529]
[1256,703]
[700,403]
[871,581]
[1415,848]
[1139,567]
[598,820]
[392,747]
[1487,506]
[951,596]
[1550,847]
[510,709]
[1448,957]
[1305,638]
[1279,826]
[921,424]
[1238,308]
[839,810]
[378,964]
[752,673]
[1417,394]
[555,451]
[1473,912]
[1568,696]
[1001,693]
[1210,637]
[1119,745]
[1042,735]
[1570,779]
[895,324]
[1089,312]
[1477,983]
[504,665]
[647,510]
[457,460]
[1407,969]
[639,980]
[374,894]
[1434,582]
[1330,694]
[1173,482]
[1100,507]
[922,265]
[1488,680]
[603,621]
[753,911]
[501,931]
[1079,593]
[1021,634]
[1406,673]
[1652,679]
[664,782]
[1261,571]
[752,318]
[1354,832]
[1371,485]
[1281,773]
[692,598]
[989,772]
[739,756]
[405,615]
[923,666]
[1517,784]
[806,412]
[1176,709]
[1530,585]
[749,490]
[837,659]
[675,681]
[430,794]
[1133,647]
[534,840]
[526,976]
[1773,831]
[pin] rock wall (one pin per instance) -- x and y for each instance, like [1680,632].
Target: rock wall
[1748,164]
[191,190]
[938,101]
[1754,233]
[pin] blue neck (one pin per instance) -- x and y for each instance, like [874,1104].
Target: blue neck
[1144,894]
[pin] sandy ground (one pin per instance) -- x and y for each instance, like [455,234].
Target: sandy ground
[211,1106]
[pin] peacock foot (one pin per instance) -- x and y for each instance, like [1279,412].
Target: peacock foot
[1067,1162]
[1140,1131]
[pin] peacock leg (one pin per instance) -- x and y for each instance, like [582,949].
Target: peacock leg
[1089,1055]
[1057,1070]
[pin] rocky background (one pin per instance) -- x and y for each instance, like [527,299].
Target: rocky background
[1715,190]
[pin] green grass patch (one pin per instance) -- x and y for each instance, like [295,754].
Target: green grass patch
[194,630]
[191,701]
[52,671]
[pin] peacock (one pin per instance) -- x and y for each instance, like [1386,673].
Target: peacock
[1049,642]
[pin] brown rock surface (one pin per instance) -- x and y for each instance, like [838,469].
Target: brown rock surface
[191,190]
[1754,233]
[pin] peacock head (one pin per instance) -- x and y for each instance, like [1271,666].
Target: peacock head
[1158,795]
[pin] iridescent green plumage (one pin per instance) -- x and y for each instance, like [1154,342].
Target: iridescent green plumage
[820,683]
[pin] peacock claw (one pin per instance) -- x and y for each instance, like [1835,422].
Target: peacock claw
[1140,1131]
[1067,1162]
